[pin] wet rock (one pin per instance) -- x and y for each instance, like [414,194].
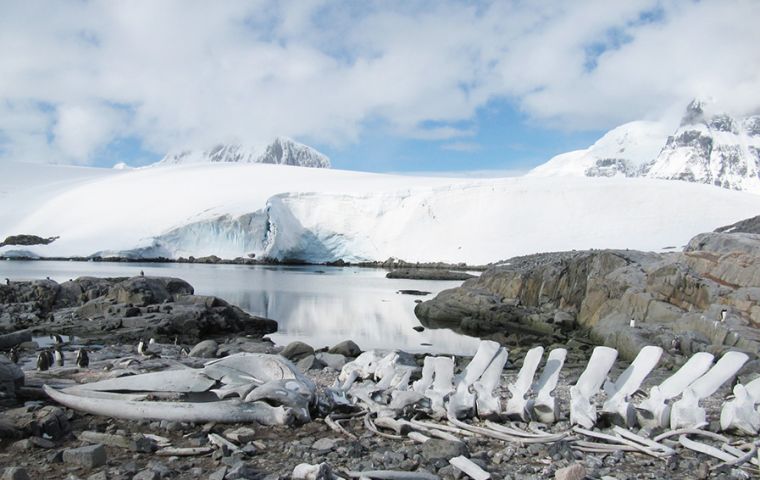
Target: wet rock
[146,474]
[204,349]
[98,476]
[218,474]
[575,471]
[347,348]
[324,445]
[309,362]
[241,435]
[295,351]
[443,449]
[15,473]
[90,456]
[242,471]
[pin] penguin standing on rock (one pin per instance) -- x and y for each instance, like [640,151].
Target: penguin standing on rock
[83,360]
[43,362]
[7,281]
[13,355]
[141,348]
[58,357]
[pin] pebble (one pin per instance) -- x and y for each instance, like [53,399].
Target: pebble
[575,471]
[90,456]
[146,474]
[324,444]
[240,435]
[15,473]
[436,448]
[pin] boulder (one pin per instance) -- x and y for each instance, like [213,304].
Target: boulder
[295,351]
[347,348]
[11,377]
[143,291]
[204,349]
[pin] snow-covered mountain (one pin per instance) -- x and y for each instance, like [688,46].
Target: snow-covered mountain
[282,151]
[621,151]
[716,149]
[712,148]
[317,215]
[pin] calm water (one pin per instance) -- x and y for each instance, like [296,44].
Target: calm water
[318,305]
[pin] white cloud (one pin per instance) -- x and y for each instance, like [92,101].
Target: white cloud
[189,73]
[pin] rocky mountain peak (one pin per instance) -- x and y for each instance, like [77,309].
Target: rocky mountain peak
[282,151]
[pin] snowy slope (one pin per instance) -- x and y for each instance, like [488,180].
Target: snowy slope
[621,151]
[231,210]
[282,151]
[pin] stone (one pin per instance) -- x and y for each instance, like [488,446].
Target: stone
[333,360]
[90,456]
[204,349]
[21,445]
[309,362]
[98,476]
[52,421]
[241,471]
[240,435]
[42,442]
[575,471]
[435,449]
[15,473]
[146,474]
[11,377]
[218,474]
[325,444]
[347,348]
[297,350]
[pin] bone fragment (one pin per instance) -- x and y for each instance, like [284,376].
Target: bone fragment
[629,381]
[442,384]
[393,475]
[418,437]
[545,408]
[706,449]
[428,370]
[184,381]
[618,440]
[582,411]
[304,471]
[469,468]
[517,406]
[372,428]
[686,411]
[739,413]
[654,412]
[643,440]
[183,451]
[222,442]
[336,426]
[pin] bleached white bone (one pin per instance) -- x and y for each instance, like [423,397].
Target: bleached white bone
[470,468]
[654,411]
[739,413]
[224,411]
[443,385]
[687,412]
[486,402]
[183,381]
[290,393]
[428,370]
[517,405]
[365,365]
[462,402]
[629,381]
[545,407]
[582,411]
[401,399]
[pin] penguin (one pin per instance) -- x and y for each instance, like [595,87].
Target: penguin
[151,341]
[7,281]
[632,323]
[42,362]
[675,344]
[57,338]
[723,315]
[13,355]
[142,274]
[50,357]
[47,278]
[58,357]
[83,361]
[141,348]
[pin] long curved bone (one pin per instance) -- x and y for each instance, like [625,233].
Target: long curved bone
[617,405]
[739,413]
[181,381]
[224,411]
[582,412]
[289,393]
[486,402]
[654,412]
[545,408]
[687,412]
[517,406]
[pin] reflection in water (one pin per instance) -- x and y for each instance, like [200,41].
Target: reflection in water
[318,305]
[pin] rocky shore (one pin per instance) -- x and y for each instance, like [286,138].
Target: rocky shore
[706,298]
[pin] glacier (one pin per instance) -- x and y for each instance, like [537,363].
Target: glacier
[321,215]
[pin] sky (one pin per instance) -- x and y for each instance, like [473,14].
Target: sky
[402,86]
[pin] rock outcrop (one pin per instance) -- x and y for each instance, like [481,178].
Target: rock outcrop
[127,308]
[674,300]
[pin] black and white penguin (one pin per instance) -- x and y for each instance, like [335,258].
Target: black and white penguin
[58,357]
[83,360]
[141,349]
[723,315]
[142,274]
[632,323]
[43,362]
[57,339]
[675,344]
[7,281]
[50,356]
[13,355]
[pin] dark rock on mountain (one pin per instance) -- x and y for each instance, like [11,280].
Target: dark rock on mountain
[428,274]
[750,225]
